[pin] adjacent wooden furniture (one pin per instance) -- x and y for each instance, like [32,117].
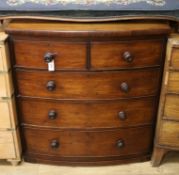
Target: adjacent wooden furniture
[87,93]
[167,133]
[10,148]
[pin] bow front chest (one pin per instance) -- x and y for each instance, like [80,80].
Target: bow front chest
[87,93]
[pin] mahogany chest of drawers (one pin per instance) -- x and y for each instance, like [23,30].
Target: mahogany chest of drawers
[87,93]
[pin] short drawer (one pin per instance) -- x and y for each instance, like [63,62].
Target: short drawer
[4,58]
[35,54]
[173,82]
[86,114]
[169,134]
[88,85]
[126,54]
[88,143]
[175,58]
[171,110]
[6,87]
[8,118]
[7,147]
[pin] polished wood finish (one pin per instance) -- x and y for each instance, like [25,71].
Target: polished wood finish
[90,110]
[67,55]
[76,114]
[126,54]
[107,29]
[88,85]
[88,143]
[167,132]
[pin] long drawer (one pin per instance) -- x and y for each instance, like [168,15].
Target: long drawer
[126,54]
[88,85]
[91,143]
[36,54]
[87,114]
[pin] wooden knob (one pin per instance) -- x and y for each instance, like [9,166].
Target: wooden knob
[52,115]
[120,143]
[124,87]
[51,85]
[54,144]
[48,57]
[127,56]
[122,115]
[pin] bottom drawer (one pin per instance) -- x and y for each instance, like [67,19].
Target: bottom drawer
[169,134]
[7,147]
[64,143]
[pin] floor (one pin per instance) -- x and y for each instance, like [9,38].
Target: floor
[170,166]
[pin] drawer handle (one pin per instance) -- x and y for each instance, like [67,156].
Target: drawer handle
[122,115]
[52,115]
[127,56]
[51,85]
[120,143]
[55,144]
[124,87]
[48,57]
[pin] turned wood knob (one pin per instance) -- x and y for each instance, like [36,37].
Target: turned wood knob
[127,56]
[54,144]
[48,57]
[122,115]
[124,87]
[51,85]
[120,143]
[52,115]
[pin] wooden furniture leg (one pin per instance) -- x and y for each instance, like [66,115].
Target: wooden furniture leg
[158,155]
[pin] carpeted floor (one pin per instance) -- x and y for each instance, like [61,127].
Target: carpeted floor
[170,166]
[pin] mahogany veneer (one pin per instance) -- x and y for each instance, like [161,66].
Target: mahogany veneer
[100,103]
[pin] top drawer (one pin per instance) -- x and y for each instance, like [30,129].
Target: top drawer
[126,54]
[175,58]
[4,55]
[35,54]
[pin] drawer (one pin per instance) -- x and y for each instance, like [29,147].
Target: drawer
[6,87]
[66,55]
[4,58]
[175,58]
[88,85]
[173,82]
[171,110]
[7,147]
[169,134]
[126,54]
[91,143]
[8,118]
[86,114]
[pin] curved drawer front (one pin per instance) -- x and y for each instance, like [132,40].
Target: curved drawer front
[126,54]
[88,85]
[85,115]
[35,54]
[93,143]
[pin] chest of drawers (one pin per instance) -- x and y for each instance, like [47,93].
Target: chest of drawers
[100,103]
[167,132]
[10,148]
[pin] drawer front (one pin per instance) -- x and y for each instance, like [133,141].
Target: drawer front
[4,58]
[88,85]
[175,58]
[173,82]
[7,148]
[126,54]
[8,117]
[78,114]
[169,134]
[97,143]
[171,110]
[6,87]
[35,54]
